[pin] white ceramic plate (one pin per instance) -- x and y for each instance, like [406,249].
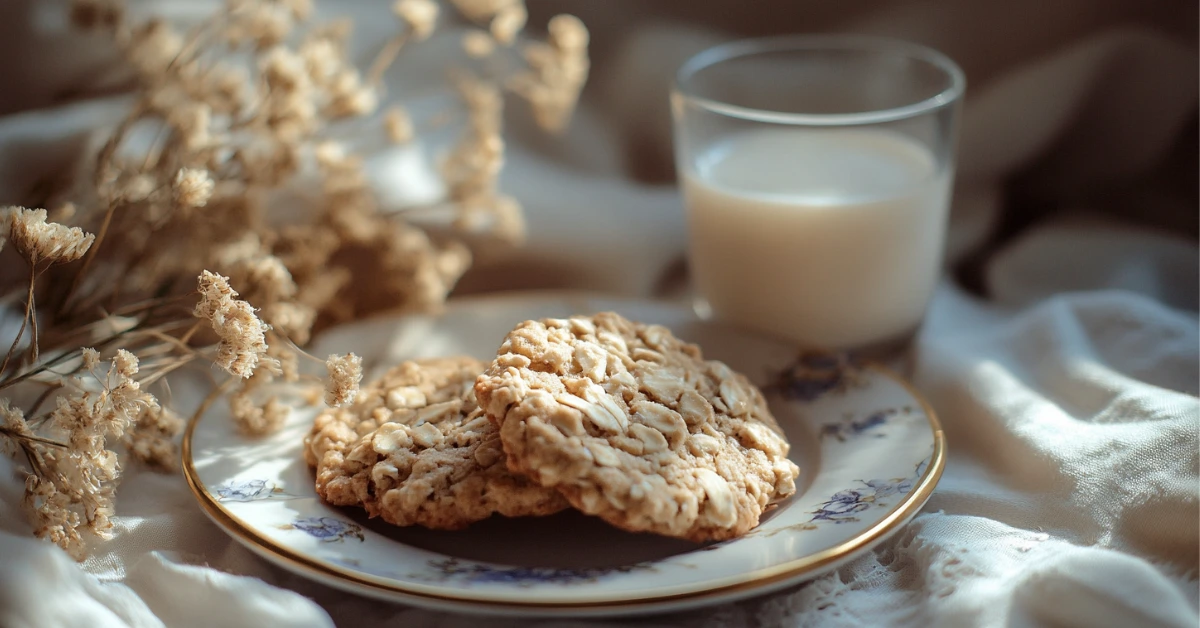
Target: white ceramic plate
[869,449]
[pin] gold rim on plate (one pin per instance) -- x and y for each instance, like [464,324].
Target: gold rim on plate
[759,579]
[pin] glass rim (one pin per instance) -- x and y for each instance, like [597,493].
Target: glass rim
[799,43]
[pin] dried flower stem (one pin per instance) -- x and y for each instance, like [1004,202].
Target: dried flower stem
[51,387]
[32,314]
[163,371]
[25,319]
[31,438]
[385,57]
[64,356]
[87,260]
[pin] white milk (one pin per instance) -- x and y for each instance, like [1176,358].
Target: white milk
[832,238]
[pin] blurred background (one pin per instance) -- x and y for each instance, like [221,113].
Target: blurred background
[1078,142]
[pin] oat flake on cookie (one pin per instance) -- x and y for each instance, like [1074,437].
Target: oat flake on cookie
[632,425]
[415,449]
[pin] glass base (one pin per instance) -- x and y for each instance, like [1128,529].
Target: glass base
[894,352]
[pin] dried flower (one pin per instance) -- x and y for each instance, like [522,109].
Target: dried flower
[245,99]
[284,71]
[40,241]
[508,23]
[478,44]
[398,124]
[482,10]
[73,485]
[12,419]
[151,438]
[153,46]
[322,59]
[345,373]
[420,15]
[52,515]
[263,23]
[64,211]
[136,187]
[349,97]
[91,359]
[243,335]
[192,188]
[557,73]
[192,122]
[292,320]
[300,9]
[125,363]
[568,35]
[257,419]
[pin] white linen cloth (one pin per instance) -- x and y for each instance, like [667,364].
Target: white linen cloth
[1069,398]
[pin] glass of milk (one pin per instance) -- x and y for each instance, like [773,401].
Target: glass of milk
[816,171]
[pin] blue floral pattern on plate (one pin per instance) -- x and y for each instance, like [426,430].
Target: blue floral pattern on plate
[326,529]
[471,572]
[852,427]
[250,491]
[845,504]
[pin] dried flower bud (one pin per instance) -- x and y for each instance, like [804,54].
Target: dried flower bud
[263,23]
[243,336]
[478,44]
[567,33]
[91,359]
[151,439]
[284,71]
[329,154]
[345,373]
[420,15]
[509,222]
[65,211]
[191,120]
[349,97]
[482,10]
[41,241]
[13,419]
[153,46]
[215,293]
[292,116]
[292,320]
[398,124]
[508,22]
[337,30]
[224,87]
[256,420]
[137,188]
[125,363]
[557,72]
[192,188]
[321,58]
[300,9]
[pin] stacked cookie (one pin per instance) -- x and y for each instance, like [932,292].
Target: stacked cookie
[617,419]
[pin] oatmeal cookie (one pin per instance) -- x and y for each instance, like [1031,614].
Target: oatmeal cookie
[417,450]
[413,384]
[632,424]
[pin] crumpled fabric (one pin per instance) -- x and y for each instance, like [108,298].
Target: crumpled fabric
[1068,396]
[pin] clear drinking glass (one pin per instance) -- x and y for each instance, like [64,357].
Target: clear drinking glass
[816,171]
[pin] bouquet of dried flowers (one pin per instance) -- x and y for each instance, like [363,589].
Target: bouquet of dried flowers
[131,273]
